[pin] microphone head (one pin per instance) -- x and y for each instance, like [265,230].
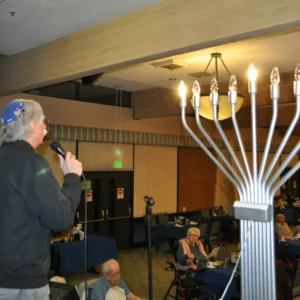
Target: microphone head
[56,146]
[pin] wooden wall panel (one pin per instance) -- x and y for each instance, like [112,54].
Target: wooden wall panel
[197,179]
[155,175]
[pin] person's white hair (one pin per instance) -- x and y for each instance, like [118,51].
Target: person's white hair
[194,230]
[20,128]
[107,266]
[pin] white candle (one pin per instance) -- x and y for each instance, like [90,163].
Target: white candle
[182,94]
[196,94]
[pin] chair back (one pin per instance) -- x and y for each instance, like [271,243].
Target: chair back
[203,230]
[163,218]
[215,228]
[205,214]
[81,288]
[219,211]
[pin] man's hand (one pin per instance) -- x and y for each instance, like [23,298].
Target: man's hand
[190,255]
[70,164]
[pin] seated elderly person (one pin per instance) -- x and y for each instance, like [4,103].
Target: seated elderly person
[110,286]
[282,229]
[296,202]
[191,251]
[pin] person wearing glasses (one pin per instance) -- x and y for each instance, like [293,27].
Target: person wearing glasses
[191,251]
[110,286]
[31,203]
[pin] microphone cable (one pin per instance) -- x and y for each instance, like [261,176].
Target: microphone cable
[56,147]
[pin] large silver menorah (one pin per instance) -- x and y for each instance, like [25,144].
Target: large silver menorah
[256,187]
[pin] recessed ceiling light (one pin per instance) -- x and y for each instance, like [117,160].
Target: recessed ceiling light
[172,79]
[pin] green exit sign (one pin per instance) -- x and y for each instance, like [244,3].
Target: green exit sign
[118,164]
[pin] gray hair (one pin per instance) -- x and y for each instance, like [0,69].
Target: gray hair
[106,267]
[20,128]
[194,230]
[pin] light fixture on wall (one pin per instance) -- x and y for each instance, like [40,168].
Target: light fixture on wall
[224,108]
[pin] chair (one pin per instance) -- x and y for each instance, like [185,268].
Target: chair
[205,214]
[162,218]
[213,234]
[81,288]
[188,283]
[219,211]
[204,234]
[62,291]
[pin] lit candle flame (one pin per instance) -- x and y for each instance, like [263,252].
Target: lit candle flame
[232,83]
[214,87]
[196,88]
[252,73]
[275,76]
[182,89]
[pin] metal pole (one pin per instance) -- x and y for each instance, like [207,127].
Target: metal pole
[149,203]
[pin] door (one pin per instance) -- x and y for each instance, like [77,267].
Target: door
[109,206]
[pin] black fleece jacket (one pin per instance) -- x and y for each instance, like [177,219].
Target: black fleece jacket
[31,204]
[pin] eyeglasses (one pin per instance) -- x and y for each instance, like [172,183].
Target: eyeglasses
[114,275]
[194,235]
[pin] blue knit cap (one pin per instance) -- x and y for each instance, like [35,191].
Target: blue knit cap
[11,111]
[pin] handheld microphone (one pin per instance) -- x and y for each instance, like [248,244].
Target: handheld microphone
[56,146]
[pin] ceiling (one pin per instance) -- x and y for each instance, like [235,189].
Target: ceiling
[265,53]
[25,24]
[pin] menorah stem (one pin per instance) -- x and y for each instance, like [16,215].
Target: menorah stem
[268,197]
[265,243]
[239,188]
[228,146]
[275,91]
[247,260]
[286,137]
[241,144]
[215,147]
[284,164]
[254,139]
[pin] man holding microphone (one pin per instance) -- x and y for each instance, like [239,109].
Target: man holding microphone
[31,202]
